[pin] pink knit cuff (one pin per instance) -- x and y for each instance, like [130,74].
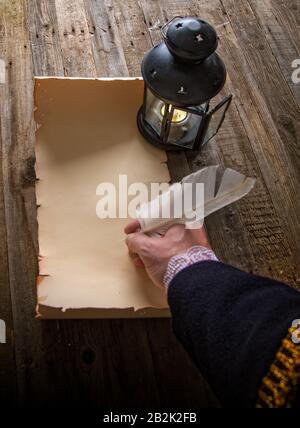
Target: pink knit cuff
[181,261]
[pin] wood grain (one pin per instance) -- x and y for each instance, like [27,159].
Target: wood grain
[280,21]
[17,157]
[253,229]
[271,118]
[84,363]
[7,367]
[137,40]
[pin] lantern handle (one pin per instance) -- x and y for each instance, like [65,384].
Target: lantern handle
[167,24]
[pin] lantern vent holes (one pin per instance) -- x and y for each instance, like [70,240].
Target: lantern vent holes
[153,73]
[199,38]
[182,74]
[182,91]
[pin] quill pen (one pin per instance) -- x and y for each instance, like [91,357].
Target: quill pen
[233,186]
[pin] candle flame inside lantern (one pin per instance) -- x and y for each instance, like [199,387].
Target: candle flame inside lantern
[178,115]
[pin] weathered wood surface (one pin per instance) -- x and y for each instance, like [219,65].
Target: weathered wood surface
[138,363]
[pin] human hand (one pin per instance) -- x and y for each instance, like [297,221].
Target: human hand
[154,252]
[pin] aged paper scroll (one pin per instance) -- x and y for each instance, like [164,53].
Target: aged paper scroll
[86,135]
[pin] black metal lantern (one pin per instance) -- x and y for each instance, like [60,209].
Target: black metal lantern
[182,74]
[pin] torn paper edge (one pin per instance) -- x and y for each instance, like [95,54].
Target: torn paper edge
[74,313]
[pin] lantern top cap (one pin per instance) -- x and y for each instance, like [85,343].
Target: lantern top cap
[190,38]
[181,70]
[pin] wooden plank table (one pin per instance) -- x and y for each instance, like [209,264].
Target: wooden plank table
[138,363]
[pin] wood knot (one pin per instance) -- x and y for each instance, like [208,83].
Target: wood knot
[287,123]
[29,176]
[88,356]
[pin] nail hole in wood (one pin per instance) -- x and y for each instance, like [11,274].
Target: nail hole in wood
[88,356]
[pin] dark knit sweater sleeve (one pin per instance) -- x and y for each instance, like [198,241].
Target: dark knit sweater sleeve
[232,324]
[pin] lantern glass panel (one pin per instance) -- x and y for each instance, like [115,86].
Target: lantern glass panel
[153,110]
[185,125]
[183,128]
[217,118]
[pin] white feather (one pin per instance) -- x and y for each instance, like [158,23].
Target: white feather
[233,187]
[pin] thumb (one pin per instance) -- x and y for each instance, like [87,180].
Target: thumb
[137,242]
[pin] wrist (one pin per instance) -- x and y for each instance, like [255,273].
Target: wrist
[181,261]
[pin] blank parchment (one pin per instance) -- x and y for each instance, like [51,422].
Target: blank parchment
[87,135]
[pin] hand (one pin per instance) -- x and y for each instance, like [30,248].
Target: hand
[154,252]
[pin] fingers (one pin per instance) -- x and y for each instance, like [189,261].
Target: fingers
[142,244]
[138,262]
[200,236]
[136,242]
[132,227]
[178,233]
[175,231]
[198,233]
